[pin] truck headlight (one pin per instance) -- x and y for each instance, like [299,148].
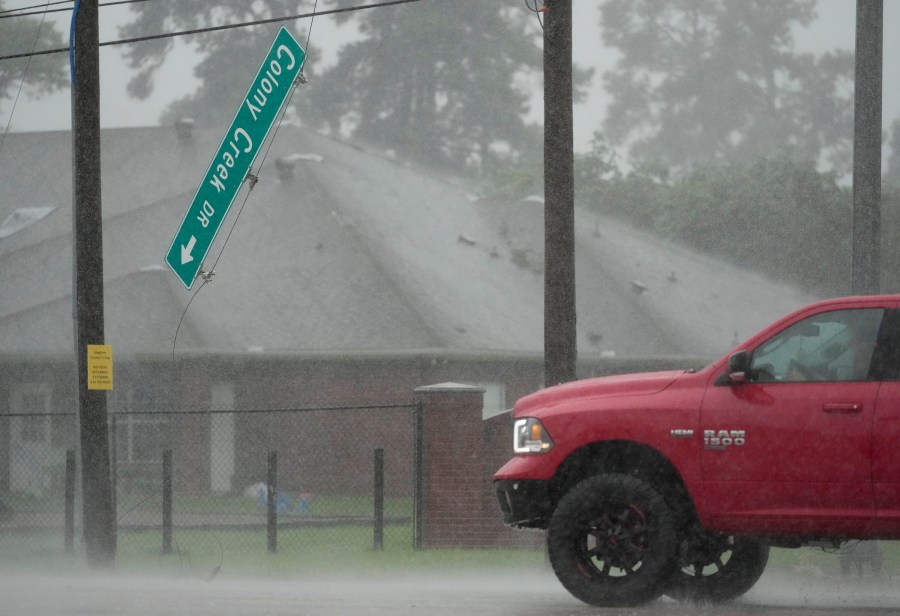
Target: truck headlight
[529,436]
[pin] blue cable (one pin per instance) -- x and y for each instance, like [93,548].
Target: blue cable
[72,42]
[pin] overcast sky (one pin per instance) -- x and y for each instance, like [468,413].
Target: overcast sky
[833,30]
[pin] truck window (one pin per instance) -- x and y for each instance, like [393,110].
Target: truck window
[830,346]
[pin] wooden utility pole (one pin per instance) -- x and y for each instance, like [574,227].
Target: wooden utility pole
[560,347]
[87,294]
[866,241]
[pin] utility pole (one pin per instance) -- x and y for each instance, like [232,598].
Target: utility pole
[866,242]
[87,294]
[560,343]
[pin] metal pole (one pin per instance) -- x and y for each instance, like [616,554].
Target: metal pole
[113,472]
[70,501]
[379,499]
[560,345]
[87,294]
[271,502]
[866,250]
[418,477]
[167,502]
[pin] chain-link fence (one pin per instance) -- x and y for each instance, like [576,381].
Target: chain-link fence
[200,488]
[33,485]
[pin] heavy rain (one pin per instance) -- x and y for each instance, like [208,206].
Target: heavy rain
[265,312]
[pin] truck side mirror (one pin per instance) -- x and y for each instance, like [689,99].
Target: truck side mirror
[739,368]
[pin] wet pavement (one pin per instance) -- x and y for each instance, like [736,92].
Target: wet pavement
[778,593]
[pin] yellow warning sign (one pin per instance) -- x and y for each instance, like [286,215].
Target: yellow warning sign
[99,366]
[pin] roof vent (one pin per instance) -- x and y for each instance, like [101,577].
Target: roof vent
[21,218]
[285,167]
[184,129]
[285,164]
[638,287]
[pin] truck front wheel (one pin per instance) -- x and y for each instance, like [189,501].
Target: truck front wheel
[611,541]
[717,568]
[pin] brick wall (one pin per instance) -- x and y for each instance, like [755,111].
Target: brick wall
[460,454]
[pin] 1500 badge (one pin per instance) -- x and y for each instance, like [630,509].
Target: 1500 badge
[723,439]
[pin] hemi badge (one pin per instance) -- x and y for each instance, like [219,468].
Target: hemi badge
[682,433]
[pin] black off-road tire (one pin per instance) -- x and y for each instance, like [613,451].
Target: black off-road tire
[717,568]
[611,541]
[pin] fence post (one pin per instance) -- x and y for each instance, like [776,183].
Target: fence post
[418,478]
[271,502]
[379,499]
[167,502]
[113,470]
[70,501]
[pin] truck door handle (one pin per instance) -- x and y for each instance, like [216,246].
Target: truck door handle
[842,407]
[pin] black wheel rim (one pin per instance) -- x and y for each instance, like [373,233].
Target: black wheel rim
[615,542]
[710,557]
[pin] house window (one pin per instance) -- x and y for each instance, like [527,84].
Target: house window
[142,431]
[494,398]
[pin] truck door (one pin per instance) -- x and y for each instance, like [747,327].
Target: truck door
[886,436]
[886,458]
[789,450]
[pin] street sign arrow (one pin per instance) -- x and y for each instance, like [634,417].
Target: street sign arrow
[231,164]
[186,256]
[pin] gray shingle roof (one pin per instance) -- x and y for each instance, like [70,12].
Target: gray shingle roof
[355,251]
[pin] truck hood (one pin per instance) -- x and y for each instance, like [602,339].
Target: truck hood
[642,384]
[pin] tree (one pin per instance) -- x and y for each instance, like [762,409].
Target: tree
[716,80]
[443,83]
[38,75]
[890,236]
[892,176]
[637,197]
[230,58]
[778,215]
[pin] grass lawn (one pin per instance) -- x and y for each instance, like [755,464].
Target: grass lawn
[320,551]
[310,551]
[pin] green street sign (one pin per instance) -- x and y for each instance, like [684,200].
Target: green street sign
[231,164]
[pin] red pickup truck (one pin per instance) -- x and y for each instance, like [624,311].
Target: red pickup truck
[678,482]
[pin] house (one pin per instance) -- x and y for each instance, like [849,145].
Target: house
[343,277]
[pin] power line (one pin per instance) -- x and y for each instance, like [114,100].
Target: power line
[4,14]
[154,37]
[37,6]
[21,84]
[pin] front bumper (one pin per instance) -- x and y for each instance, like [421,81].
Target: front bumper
[525,503]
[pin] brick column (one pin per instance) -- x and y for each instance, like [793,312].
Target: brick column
[452,473]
